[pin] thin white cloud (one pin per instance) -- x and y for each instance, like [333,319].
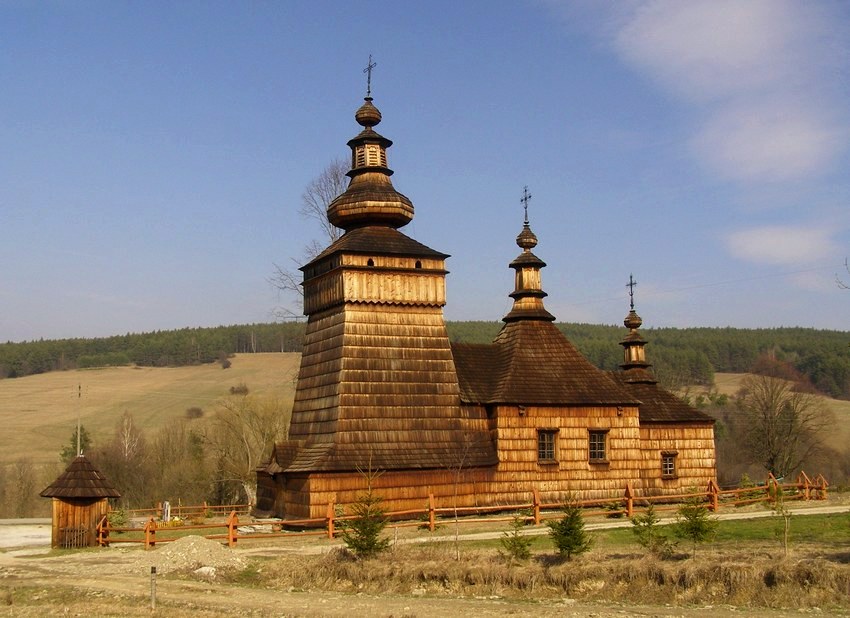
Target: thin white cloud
[780,245]
[713,49]
[764,76]
[768,141]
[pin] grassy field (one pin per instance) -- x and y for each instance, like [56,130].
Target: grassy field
[39,413]
[839,438]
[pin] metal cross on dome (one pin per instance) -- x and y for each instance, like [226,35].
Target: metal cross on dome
[526,197]
[631,285]
[368,72]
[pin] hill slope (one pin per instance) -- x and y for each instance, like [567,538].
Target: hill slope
[38,413]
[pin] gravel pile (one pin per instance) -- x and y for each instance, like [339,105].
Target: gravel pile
[188,554]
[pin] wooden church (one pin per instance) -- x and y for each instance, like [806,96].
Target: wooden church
[382,388]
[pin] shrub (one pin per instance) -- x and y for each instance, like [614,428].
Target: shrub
[194,412]
[362,533]
[649,534]
[568,533]
[694,523]
[117,518]
[239,389]
[517,545]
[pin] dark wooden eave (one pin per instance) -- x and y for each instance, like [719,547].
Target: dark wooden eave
[81,480]
[375,239]
[659,405]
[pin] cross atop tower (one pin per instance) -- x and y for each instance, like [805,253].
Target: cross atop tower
[368,72]
[526,197]
[631,285]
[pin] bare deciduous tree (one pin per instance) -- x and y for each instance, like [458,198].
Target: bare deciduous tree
[124,462]
[841,283]
[785,428]
[321,191]
[241,436]
[317,196]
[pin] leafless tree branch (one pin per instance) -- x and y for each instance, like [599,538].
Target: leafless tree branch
[841,283]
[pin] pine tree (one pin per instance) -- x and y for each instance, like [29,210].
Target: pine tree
[568,533]
[694,522]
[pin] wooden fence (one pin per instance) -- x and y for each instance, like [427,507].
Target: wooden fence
[199,511]
[535,511]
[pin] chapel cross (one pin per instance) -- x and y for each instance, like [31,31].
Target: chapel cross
[368,72]
[631,285]
[526,197]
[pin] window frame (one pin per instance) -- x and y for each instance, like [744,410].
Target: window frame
[591,448]
[550,436]
[671,457]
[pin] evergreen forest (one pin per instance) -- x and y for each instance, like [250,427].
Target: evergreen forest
[680,356]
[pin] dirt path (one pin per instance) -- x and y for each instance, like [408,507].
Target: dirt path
[117,582]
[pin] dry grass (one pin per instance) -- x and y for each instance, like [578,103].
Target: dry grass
[739,579]
[39,413]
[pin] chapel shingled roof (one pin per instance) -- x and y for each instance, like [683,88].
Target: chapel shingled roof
[658,405]
[81,480]
[532,363]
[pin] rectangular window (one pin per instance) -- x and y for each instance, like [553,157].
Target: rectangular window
[546,445]
[668,464]
[596,445]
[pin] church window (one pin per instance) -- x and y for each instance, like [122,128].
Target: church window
[668,464]
[418,264]
[546,445]
[370,262]
[597,443]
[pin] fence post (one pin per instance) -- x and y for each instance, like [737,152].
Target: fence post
[822,485]
[103,526]
[536,506]
[771,480]
[630,504]
[432,513]
[804,483]
[150,533]
[232,523]
[330,517]
[713,496]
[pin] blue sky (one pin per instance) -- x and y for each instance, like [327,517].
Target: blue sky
[153,154]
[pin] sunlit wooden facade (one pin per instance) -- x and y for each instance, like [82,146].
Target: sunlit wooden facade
[381,387]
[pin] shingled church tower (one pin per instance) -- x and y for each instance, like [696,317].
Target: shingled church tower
[377,386]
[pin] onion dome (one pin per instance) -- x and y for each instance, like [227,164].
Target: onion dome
[634,353]
[370,198]
[528,291]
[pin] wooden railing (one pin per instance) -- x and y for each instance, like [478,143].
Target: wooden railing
[193,511]
[715,498]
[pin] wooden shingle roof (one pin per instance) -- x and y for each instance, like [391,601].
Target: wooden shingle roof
[658,405]
[379,239]
[532,363]
[81,480]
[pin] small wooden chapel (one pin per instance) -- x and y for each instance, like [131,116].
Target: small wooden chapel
[382,388]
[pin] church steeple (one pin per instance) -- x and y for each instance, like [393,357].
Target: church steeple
[370,198]
[528,291]
[634,354]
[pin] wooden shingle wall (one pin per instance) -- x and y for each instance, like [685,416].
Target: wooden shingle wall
[693,445]
[378,383]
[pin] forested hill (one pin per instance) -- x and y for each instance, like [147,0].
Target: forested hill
[680,355]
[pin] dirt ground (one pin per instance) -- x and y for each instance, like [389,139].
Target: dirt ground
[117,581]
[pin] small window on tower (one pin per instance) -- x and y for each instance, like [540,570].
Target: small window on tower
[418,264]
[546,442]
[370,262]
